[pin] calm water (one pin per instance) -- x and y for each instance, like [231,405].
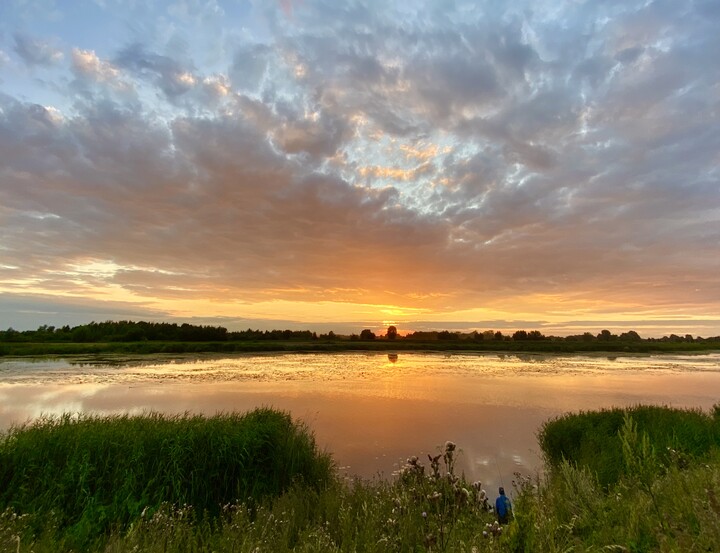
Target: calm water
[370,410]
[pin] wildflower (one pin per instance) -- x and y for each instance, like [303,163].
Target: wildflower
[435,465]
[462,495]
[424,514]
[449,446]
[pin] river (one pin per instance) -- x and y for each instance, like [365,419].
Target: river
[371,410]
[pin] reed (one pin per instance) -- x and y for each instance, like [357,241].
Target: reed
[91,474]
[662,500]
[653,506]
[592,439]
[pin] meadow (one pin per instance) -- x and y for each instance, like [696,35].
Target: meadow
[257,482]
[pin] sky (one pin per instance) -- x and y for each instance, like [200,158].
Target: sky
[318,164]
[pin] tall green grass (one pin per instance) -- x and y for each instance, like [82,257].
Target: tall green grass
[91,474]
[662,500]
[592,439]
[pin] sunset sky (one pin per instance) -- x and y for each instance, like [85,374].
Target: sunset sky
[550,165]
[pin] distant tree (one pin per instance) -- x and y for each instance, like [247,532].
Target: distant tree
[535,335]
[421,335]
[630,336]
[11,334]
[331,335]
[391,333]
[367,334]
[499,335]
[81,334]
[520,335]
[604,335]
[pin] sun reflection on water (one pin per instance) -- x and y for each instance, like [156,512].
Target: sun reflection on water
[369,409]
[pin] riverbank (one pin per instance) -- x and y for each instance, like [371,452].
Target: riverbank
[21,349]
[660,500]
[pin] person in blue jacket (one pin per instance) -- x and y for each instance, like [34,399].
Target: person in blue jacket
[503,507]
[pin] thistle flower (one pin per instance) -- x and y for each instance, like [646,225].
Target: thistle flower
[434,496]
[435,465]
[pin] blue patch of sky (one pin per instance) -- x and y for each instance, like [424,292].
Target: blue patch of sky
[200,39]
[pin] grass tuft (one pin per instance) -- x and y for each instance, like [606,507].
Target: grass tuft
[94,474]
[593,440]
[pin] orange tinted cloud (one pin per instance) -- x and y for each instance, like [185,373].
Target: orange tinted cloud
[497,165]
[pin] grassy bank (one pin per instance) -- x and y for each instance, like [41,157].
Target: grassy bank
[594,440]
[16,349]
[660,500]
[90,475]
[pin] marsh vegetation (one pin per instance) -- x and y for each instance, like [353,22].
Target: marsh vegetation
[257,482]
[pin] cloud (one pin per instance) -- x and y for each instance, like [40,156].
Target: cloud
[23,313]
[86,64]
[250,65]
[36,51]
[505,158]
[171,76]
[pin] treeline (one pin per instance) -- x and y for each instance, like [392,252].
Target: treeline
[130,331]
[536,335]
[489,335]
[141,331]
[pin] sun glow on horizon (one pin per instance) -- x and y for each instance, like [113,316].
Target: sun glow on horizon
[155,167]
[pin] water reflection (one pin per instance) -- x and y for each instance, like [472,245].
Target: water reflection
[371,417]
